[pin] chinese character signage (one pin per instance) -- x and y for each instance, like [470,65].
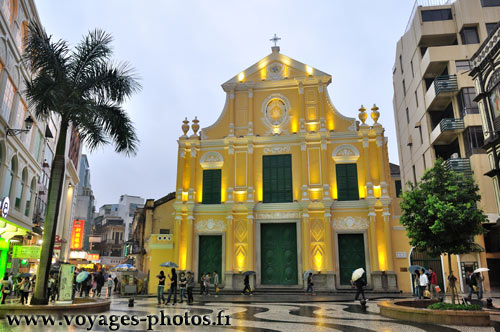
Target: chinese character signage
[77,234]
[27,252]
[92,257]
[66,282]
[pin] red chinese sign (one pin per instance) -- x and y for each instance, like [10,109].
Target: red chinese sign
[92,257]
[77,235]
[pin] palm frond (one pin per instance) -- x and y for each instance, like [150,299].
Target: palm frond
[94,50]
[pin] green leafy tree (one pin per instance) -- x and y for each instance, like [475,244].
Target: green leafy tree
[84,88]
[441,213]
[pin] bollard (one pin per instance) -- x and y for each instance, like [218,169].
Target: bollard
[131,302]
[489,302]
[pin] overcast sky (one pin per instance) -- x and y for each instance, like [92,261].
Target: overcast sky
[184,50]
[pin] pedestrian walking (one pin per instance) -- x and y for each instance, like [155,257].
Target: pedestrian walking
[216,283]
[173,287]
[99,282]
[479,283]
[207,284]
[6,288]
[246,282]
[25,288]
[110,285]
[424,281]
[202,284]
[470,281]
[116,281]
[359,284]
[190,286]
[161,287]
[416,284]
[182,286]
[433,282]
[310,284]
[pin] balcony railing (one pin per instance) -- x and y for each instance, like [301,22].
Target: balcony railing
[459,165]
[445,83]
[451,124]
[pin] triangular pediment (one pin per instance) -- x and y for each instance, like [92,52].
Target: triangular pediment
[275,67]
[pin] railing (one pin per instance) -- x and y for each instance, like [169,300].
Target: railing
[445,83]
[451,124]
[459,165]
[426,3]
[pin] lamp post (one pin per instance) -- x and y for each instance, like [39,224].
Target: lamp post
[28,123]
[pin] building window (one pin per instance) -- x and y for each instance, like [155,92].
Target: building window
[495,100]
[164,231]
[416,97]
[29,197]
[404,88]
[436,15]
[466,102]
[425,163]
[414,174]
[277,178]
[412,71]
[407,115]
[20,189]
[8,97]
[421,137]
[469,35]
[398,188]
[490,27]
[474,140]
[347,182]
[463,65]
[9,175]
[490,3]
[211,186]
[37,145]
[401,63]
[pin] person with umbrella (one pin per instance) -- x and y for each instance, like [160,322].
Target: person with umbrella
[173,287]
[358,280]
[310,284]
[246,282]
[25,287]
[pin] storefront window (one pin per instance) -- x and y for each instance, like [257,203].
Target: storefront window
[29,197]
[9,175]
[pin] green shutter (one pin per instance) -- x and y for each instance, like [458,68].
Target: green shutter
[347,182]
[211,186]
[277,178]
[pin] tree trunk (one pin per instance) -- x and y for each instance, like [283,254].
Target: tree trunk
[451,283]
[57,170]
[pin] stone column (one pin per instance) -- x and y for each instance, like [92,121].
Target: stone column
[305,180]
[302,108]
[251,242]
[306,242]
[229,243]
[192,174]
[325,163]
[231,113]
[189,222]
[328,242]
[383,184]
[322,121]
[388,238]
[252,118]
[373,240]
[230,174]
[366,153]
[177,237]
[250,184]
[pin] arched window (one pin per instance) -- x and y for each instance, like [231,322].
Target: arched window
[20,188]
[29,197]
[9,175]
[9,10]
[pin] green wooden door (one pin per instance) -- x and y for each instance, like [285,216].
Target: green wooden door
[279,254]
[210,255]
[351,255]
[347,182]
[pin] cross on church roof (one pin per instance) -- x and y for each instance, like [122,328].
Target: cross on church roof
[275,40]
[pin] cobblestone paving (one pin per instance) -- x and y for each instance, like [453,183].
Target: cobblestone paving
[259,317]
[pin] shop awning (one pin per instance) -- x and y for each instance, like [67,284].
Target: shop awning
[9,229]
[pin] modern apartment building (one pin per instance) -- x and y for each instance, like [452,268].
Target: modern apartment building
[84,209]
[434,108]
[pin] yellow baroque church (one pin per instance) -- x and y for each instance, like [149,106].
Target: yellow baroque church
[281,184]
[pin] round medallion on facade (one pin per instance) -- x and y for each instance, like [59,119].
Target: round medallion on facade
[276,108]
[275,71]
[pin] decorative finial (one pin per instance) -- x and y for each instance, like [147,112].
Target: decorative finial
[375,114]
[185,126]
[362,115]
[275,40]
[195,126]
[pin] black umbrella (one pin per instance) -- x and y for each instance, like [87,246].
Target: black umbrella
[25,275]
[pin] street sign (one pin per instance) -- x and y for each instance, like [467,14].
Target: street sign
[4,206]
[27,252]
[77,235]
[66,282]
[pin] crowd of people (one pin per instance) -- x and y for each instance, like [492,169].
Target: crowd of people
[20,287]
[94,284]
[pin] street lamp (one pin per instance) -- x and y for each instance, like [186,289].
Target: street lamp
[28,123]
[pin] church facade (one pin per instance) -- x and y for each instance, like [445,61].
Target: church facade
[282,183]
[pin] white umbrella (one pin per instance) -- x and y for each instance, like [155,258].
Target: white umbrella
[481,269]
[306,274]
[357,274]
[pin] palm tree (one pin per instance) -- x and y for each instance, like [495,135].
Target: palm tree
[86,90]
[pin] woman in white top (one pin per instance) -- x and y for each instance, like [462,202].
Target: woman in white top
[424,281]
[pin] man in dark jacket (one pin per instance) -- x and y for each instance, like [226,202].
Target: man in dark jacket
[100,282]
[360,283]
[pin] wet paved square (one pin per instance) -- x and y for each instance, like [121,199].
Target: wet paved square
[257,317]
